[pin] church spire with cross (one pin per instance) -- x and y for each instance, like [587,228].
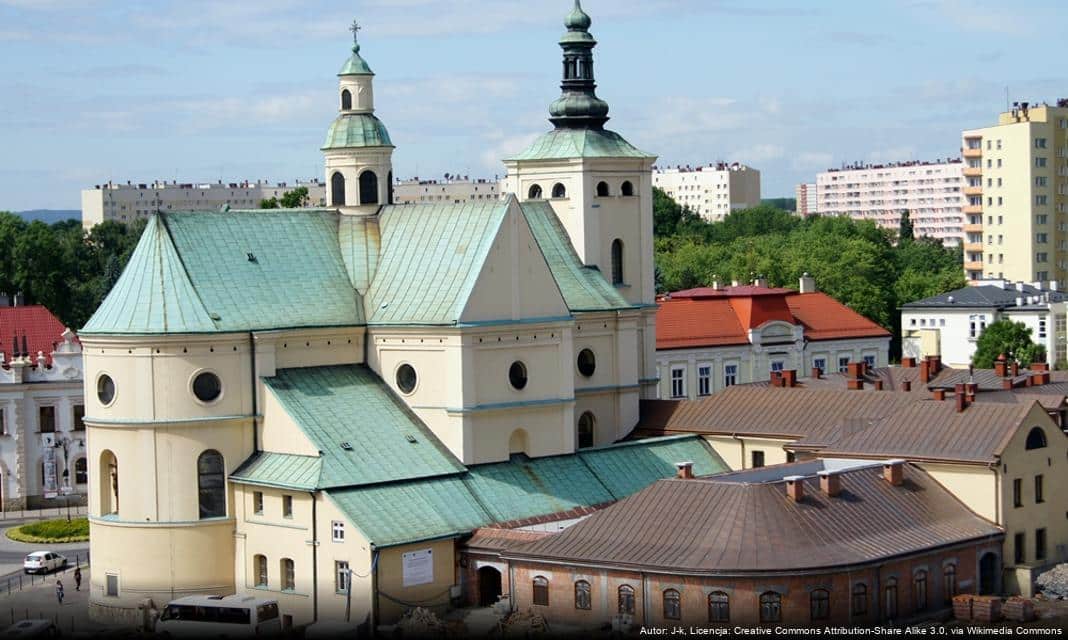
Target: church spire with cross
[578,107]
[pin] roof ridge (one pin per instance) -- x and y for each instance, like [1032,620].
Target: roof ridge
[185,271]
[473,275]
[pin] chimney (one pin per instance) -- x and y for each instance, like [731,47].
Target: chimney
[830,483]
[906,385]
[760,281]
[789,378]
[878,384]
[970,389]
[776,378]
[807,284]
[795,487]
[684,470]
[908,362]
[925,371]
[936,365]
[1014,368]
[816,373]
[855,384]
[1039,366]
[855,369]
[962,402]
[1001,366]
[716,284]
[939,394]
[894,471]
[1006,383]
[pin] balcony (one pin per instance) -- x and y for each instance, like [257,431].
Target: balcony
[973,153]
[973,191]
[973,246]
[974,266]
[972,208]
[973,228]
[972,172]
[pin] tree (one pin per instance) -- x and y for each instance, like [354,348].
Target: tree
[905,231]
[1008,337]
[669,217]
[296,198]
[269,203]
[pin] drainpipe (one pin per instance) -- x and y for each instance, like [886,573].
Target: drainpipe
[315,560]
[997,493]
[374,588]
[645,600]
[252,376]
[878,593]
[511,586]
[742,443]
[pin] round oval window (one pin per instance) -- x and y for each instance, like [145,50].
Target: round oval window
[406,378]
[517,375]
[587,362]
[207,387]
[105,389]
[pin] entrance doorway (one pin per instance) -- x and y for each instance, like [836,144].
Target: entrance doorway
[489,586]
[988,574]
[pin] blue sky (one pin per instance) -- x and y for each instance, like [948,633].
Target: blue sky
[201,90]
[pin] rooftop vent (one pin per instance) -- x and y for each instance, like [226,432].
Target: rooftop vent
[347,446]
[410,438]
[251,257]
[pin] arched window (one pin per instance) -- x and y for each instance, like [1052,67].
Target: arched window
[81,471]
[346,100]
[626,189]
[534,193]
[582,595]
[617,261]
[109,483]
[626,599]
[672,605]
[389,193]
[289,578]
[259,570]
[919,590]
[890,599]
[211,483]
[1036,439]
[602,189]
[949,582]
[541,591]
[860,599]
[368,188]
[819,604]
[586,426]
[770,607]
[559,191]
[337,189]
[719,607]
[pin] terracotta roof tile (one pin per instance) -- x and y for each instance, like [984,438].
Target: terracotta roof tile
[826,319]
[42,330]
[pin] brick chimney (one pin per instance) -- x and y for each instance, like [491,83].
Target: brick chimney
[795,487]
[939,394]
[894,471]
[962,400]
[830,483]
[1001,366]
[1006,383]
[1014,368]
[908,362]
[816,373]
[684,470]
[855,384]
[925,371]
[775,378]
[878,384]
[936,367]
[789,378]
[906,385]
[855,369]
[970,389]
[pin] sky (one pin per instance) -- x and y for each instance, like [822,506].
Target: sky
[201,90]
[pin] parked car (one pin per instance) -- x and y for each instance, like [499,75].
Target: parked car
[43,562]
[31,629]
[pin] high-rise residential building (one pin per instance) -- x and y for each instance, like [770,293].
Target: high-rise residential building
[1017,195]
[805,194]
[930,191]
[131,201]
[454,189]
[711,191]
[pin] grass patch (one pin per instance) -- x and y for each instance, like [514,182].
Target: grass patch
[77,530]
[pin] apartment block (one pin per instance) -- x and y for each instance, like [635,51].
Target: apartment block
[1016,187]
[930,191]
[452,189]
[805,194]
[711,191]
[131,201]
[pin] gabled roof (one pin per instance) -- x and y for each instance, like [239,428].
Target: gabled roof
[283,470]
[42,330]
[349,405]
[580,143]
[825,318]
[706,526]
[584,288]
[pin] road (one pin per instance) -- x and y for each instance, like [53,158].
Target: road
[12,553]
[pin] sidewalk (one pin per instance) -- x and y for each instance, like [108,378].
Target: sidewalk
[51,513]
[39,602]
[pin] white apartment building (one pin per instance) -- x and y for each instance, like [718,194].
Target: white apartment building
[711,191]
[932,193]
[131,201]
[452,189]
[807,205]
[949,325]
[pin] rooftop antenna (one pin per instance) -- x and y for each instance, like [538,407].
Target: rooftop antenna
[1007,98]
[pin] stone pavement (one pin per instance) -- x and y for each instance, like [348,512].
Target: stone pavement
[39,602]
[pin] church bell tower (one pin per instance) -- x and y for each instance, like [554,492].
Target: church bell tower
[358,152]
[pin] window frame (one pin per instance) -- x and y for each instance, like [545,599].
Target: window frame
[704,382]
[671,601]
[342,576]
[949,582]
[719,607]
[819,604]
[337,531]
[859,599]
[540,591]
[288,571]
[257,503]
[770,607]
[625,599]
[680,379]
[583,595]
[919,590]
[260,575]
[207,495]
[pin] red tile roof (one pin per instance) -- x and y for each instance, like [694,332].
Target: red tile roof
[709,317]
[42,330]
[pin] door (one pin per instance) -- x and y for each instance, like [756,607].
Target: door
[988,574]
[489,586]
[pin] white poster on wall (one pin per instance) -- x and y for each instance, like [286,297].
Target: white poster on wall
[418,567]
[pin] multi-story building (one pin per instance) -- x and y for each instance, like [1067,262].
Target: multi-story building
[454,189]
[1017,195]
[807,204]
[43,456]
[711,191]
[930,191]
[950,324]
[132,201]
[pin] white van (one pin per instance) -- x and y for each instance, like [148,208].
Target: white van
[233,616]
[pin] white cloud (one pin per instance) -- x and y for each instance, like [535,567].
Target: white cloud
[757,154]
[814,161]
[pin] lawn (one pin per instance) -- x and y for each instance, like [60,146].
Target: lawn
[77,530]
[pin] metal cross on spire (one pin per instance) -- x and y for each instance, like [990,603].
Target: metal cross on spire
[355,28]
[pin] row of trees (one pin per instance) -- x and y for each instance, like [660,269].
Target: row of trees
[61,266]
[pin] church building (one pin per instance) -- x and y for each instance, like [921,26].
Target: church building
[317,406]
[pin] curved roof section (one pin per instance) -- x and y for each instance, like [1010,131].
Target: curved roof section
[580,143]
[356,130]
[355,65]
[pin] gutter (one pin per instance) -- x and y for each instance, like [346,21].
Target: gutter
[253,381]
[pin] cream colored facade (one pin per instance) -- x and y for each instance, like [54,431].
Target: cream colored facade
[129,202]
[454,190]
[1016,193]
[711,191]
[805,195]
[932,193]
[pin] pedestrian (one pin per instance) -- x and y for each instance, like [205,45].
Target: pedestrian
[59,591]
[77,578]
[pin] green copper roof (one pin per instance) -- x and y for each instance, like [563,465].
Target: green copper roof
[355,65]
[357,130]
[584,288]
[350,405]
[580,143]
[280,470]
[524,487]
[360,249]
[629,467]
[431,256]
[577,19]
[154,293]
